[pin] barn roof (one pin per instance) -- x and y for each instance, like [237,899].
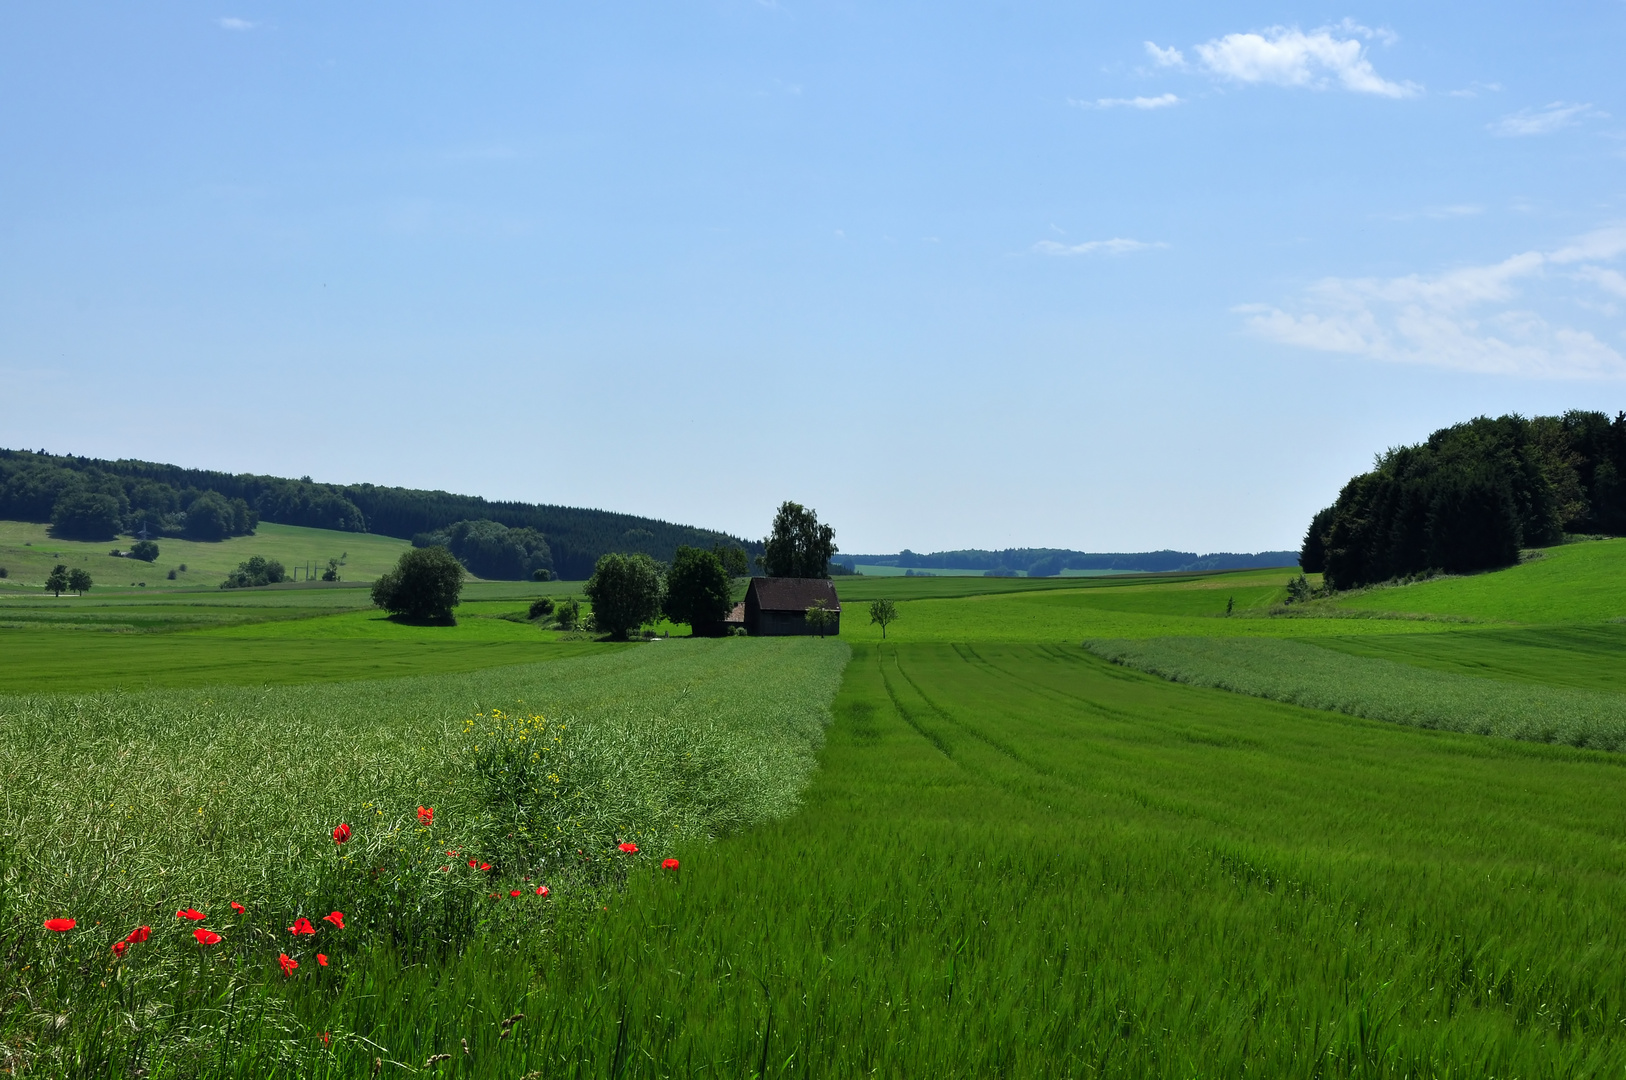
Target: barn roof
[794,593]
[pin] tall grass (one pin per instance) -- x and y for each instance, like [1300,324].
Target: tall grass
[120,809]
[1022,861]
[1317,678]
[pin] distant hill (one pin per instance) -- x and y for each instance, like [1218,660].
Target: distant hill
[93,499]
[1049,562]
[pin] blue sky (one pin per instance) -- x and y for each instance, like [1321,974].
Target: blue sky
[1109,277]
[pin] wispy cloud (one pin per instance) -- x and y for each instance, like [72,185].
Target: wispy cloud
[1116,246]
[1475,318]
[1161,101]
[1287,56]
[1545,120]
[1472,90]
[229,23]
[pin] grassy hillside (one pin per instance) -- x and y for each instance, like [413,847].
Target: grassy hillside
[28,552]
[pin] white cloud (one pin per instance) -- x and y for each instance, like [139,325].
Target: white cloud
[1170,57]
[1472,89]
[1464,319]
[1162,101]
[1543,121]
[1116,246]
[1287,56]
[229,23]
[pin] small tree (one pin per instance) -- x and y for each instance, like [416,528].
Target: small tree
[541,575]
[332,571]
[568,613]
[58,581]
[820,617]
[79,580]
[625,591]
[541,608]
[145,550]
[698,589]
[424,585]
[882,612]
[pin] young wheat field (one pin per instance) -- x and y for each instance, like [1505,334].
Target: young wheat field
[1377,835]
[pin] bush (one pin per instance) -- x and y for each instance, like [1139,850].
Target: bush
[541,607]
[625,591]
[3,572]
[145,550]
[424,585]
[569,614]
[541,575]
[172,575]
[255,572]
[86,515]
[698,589]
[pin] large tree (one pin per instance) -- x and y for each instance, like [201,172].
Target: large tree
[424,585]
[800,546]
[698,589]
[79,580]
[58,581]
[625,591]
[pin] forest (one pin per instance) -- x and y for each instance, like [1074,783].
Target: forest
[1049,562]
[1472,496]
[93,499]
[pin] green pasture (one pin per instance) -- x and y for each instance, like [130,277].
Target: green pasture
[28,552]
[1013,858]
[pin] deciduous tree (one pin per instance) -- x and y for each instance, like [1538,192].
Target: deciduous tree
[426,585]
[698,589]
[58,581]
[799,545]
[882,612]
[625,591]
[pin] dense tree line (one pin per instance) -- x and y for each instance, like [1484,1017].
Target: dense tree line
[1049,562]
[492,550]
[1471,496]
[34,486]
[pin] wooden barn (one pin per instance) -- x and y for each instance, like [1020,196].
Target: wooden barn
[777,606]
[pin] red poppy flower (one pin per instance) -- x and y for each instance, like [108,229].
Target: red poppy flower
[337,919]
[513,892]
[287,963]
[60,925]
[541,890]
[119,947]
[326,1038]
[341,834]
[629,847]
[485,866]
[301,925]
[473,863]
[321,958]
[205,937]
[426,814]
[239,908]
[139,934]
[669,864]
[191,913]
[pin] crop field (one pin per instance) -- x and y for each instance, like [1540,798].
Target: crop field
[976,848]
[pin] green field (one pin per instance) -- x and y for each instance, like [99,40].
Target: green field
[28,552]
[1013,858]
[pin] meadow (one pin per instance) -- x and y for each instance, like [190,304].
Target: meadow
[978,848]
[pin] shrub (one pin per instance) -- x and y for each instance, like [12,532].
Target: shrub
[425,585]
[541,575]
[255,572]
[625,591]
[3,572]
[145,550]
[569,613]
[541,607]
[172,575]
